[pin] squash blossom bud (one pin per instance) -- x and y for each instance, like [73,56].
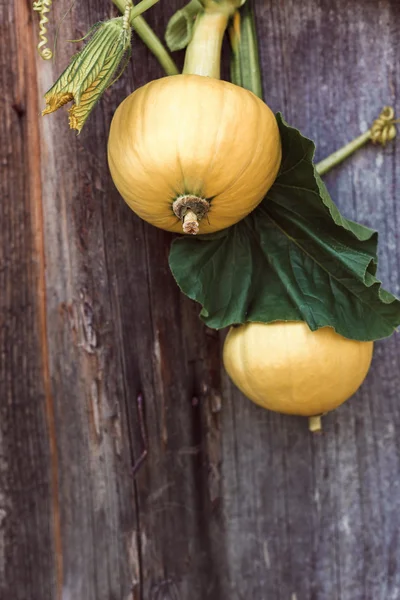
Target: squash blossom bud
[90,72]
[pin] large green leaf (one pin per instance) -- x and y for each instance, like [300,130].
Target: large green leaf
[293,258]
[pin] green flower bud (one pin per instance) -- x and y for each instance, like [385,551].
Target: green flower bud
[90,71]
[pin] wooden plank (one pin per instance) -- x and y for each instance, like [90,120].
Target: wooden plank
[232,501]
[98,518]
[28,477]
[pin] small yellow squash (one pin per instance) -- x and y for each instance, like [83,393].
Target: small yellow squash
[193,152]
[287,368]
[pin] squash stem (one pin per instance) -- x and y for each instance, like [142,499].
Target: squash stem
[190,210]
[190,223]
[383,130]
[151,40]
[315,424]
[203,54]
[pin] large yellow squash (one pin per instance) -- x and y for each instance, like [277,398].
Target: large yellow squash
[193,152]
[288,368]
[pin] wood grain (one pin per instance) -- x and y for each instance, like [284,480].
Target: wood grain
[232,502]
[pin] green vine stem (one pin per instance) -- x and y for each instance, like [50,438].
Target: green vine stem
[245,61]
[203,54]
[383,130]
[134,11]
[148,36]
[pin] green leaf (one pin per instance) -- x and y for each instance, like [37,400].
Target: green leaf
[295,257]
[180,26]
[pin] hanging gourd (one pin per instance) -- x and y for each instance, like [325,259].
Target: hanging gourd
[190,152]
[287,368]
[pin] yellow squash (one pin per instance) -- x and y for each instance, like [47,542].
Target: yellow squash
[288,368]
[193,152]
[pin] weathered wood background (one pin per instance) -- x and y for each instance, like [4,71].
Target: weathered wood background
[233,502]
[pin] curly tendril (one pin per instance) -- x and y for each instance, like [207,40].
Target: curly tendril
[43,7]
[127,12]
[383,129]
